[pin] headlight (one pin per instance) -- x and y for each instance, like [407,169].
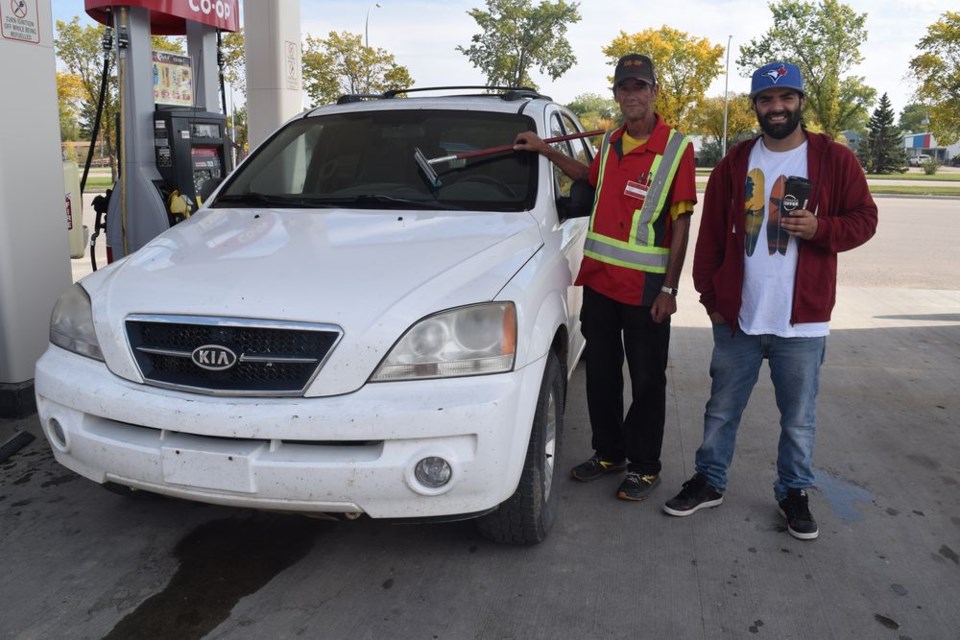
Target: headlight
[71,324]
[468,341]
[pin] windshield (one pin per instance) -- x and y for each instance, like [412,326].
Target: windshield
[366,160]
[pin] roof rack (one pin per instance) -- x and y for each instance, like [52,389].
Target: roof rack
[505,93]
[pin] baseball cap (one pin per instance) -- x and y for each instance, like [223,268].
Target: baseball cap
[782,75]
[634,66]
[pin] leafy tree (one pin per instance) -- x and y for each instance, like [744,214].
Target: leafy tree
[855,97]
[69,96]
[708,119]
[937,72]
[234,60]
[823,39]
[685,68]
[595,111]
[341,64]
[80,49]
[913,118]
[516,36]
[881,150]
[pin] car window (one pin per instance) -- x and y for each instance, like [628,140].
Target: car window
[365,159]
[561,124]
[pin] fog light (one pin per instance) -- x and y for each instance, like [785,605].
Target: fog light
[433,472]
[58,436]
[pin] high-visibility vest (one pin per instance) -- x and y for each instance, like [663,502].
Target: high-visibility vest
[639,251]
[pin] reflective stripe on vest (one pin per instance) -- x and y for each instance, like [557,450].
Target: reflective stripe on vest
[639,251]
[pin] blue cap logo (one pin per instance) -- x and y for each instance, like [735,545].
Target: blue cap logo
[776,74]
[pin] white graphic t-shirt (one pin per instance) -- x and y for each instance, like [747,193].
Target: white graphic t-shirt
[771,253]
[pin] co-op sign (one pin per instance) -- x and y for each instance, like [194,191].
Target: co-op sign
[168,17]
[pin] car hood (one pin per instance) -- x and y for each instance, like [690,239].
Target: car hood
[372,273]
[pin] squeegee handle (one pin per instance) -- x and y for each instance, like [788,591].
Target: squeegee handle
[509,147]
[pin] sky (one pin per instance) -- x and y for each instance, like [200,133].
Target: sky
[423,35]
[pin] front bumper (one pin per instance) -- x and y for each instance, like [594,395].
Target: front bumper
[349,453]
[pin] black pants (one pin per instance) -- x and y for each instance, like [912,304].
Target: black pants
[613,329]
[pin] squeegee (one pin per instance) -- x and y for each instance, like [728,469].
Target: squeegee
[426,164]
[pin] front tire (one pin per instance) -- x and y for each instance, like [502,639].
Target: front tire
[527,516]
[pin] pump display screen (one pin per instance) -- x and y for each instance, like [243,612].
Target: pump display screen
[204,130]
[207,170]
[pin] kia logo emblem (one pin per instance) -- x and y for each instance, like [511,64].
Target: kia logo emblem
[213,357]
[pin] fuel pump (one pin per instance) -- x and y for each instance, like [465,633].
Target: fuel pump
[192,156]
[174,149]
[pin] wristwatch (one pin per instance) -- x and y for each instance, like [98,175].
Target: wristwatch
[671,291]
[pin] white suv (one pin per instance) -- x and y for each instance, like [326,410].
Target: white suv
[336,331]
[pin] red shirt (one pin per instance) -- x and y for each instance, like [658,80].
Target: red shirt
[615,211]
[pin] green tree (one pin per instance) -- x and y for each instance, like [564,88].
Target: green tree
[855,98]
[595,111]
[516,36]
[234,60]
[80,50]
[685,67]
[881,150]
[913,118]
[69,97]
[937,72]
[708,119]
[341,64]
[824,40]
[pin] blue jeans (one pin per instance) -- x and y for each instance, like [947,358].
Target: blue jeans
[734,369]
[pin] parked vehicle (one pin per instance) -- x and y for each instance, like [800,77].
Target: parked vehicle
[336,331]
[918,160]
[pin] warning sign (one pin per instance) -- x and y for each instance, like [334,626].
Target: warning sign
[19,20]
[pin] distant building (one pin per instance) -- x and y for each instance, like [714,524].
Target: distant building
[853,138]
[917,143]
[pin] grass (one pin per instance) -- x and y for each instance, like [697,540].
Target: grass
[940,176]
[950,184]
[918,190]
[98,183]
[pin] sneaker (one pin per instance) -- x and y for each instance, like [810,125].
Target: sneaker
[795,509]
[696,494]
[596,467]
[637,486]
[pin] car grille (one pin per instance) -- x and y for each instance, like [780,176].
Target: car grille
[268,358]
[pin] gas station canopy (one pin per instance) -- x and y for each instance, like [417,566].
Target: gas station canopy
[169,17]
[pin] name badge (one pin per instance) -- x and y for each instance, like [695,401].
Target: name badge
[635,190]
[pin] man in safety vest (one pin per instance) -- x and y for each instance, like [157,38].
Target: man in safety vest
[645,180]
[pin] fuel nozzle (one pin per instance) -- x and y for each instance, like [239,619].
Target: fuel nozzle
[178,206]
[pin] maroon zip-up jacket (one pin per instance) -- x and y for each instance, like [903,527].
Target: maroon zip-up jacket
[847,217]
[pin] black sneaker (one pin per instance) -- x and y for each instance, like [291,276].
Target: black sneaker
[796,510]
[637,486]
[696,494]
[596,467]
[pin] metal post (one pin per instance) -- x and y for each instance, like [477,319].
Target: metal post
[366,25]
[726,99]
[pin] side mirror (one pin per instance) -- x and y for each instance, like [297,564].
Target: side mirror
[579,203]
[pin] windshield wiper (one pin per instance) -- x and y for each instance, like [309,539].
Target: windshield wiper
[375,201]
[254,199]
[364,201]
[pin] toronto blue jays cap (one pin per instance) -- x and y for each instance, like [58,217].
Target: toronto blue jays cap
[776,74]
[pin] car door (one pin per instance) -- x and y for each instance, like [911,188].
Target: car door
[573,231]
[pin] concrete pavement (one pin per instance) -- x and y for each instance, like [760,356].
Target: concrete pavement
[82,563]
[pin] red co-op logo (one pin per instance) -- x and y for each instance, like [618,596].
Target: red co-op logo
[218,7]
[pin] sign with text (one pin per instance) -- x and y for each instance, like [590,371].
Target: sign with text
[18,20]
[172,79]
[168,17]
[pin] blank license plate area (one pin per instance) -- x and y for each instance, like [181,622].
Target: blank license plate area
[215,465]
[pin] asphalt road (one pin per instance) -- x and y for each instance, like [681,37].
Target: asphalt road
[80,562]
